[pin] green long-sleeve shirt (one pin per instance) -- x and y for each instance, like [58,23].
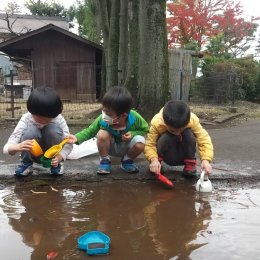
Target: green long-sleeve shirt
[136,125]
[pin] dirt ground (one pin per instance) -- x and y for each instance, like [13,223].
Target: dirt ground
[78,113]
[231,115]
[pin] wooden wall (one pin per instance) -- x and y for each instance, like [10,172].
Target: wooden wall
[64,63]
[180,73]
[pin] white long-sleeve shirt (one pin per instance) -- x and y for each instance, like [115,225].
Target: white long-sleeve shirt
[26,120]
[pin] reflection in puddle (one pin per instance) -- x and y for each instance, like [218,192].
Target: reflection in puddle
[12,245]
[144,221]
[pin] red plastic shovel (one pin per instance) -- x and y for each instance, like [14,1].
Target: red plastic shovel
[165,180]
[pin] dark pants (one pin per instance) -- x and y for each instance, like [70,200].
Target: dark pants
[48,136]
[175,149]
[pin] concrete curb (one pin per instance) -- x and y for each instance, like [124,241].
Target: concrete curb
[83,171]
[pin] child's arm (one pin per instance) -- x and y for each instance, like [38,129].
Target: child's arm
[72,139]
[23,146]
[205,146]
[89,132]
[55,161]
[67,148]
[206,166]
[150,150]
[141,126]
[13,144]
[155,166]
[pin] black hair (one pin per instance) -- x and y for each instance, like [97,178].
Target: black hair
[44,101]
[176,114]
[118,99]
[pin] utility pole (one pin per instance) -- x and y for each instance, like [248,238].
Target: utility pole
[12,92]
[12,108]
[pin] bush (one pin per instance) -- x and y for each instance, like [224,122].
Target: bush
[227,80]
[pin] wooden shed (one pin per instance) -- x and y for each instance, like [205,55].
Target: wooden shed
[60,59]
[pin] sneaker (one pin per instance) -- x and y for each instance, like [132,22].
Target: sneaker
[189,169]
[57,170]
[104,167]
[129,166]
[24,169]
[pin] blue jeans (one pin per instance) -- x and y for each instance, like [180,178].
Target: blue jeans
[47,136]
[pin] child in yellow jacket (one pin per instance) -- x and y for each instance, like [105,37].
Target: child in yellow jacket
[173,136]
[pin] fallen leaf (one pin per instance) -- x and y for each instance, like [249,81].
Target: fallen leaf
[38,192]
[52,255]
[54,189]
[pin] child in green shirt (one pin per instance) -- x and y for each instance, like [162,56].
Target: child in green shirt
[120,131]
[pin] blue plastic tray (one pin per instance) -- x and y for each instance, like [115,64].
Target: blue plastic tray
[94,242]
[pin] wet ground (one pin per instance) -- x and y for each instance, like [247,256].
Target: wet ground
[144,219]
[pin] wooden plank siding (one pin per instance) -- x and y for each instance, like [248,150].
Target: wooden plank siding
[180,73]
[64,66]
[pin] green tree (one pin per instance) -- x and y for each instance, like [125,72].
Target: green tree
[50,9]
[86,14]
[216,51]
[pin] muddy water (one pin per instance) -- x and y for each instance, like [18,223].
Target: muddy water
[143,220]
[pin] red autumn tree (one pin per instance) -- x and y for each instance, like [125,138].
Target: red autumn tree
[236,31]
[197,20]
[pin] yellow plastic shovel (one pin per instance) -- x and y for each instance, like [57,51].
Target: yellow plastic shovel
[54,150]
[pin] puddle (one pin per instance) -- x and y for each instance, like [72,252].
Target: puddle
[143,220]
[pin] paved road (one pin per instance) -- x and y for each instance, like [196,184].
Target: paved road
[238,147]
[236,155]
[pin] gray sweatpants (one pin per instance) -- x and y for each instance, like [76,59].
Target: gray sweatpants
[47,136]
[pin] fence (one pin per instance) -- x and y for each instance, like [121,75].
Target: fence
[217,88]
[78,111]
[78,91]
[180,73]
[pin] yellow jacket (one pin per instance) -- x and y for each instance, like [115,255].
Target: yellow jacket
[158,127]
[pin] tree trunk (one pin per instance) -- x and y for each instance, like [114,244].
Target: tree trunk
[104,21]
[109,17]
[131,82]
[113,45]
[142,46]
[153,57]
[123,42]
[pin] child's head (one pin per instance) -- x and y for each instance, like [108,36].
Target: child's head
[44,102]
[176,114]
[117,100]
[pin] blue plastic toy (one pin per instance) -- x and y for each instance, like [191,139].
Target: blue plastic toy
[94,242]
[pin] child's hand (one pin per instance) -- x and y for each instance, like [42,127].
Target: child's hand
[72,139]
[55,161]
[205,165]
[155,166]
[24,146]
[127,137]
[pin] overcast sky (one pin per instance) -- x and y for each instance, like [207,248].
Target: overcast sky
[65,3]
[250,7]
